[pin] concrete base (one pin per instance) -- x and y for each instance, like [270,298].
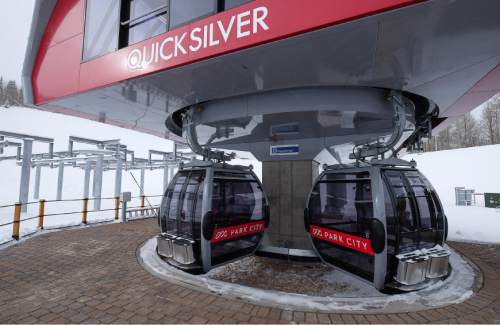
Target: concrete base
[347,294]
[287,185]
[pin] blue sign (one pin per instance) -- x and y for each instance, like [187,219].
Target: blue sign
[285,150]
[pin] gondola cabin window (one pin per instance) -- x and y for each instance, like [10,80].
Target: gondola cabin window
[238,210]
[174,200]
[342,203]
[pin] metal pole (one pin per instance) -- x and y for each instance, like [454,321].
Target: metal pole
[143,176]
[170,173]
[17,221]
[124,211]
[117,207]
[118,177]
[25,173]
[98,182]
[41,213]
[86,180]
[165,177]
[60,179]
[38,171]
[85,209]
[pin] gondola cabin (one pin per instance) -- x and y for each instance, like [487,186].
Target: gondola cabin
[211,214]
[381,221]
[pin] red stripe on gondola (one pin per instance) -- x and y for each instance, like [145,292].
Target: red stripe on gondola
[359,244]
[227,233]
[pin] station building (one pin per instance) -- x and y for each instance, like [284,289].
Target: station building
[284,80]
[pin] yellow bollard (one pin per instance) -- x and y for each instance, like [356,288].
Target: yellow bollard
[142,204]
[17,221]
[84,212]
[41,213]
[117,207]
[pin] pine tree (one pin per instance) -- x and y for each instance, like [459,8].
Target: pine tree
[11,93]
[21,96]
[2,95]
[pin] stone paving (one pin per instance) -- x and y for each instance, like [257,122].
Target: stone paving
[92,276]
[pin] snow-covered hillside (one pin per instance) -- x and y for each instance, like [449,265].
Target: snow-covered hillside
[477,168]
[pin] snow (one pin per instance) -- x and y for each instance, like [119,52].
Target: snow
[60,127]
[457,288]
[475,168]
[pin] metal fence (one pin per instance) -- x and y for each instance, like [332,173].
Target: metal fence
[139,211]
[464,196]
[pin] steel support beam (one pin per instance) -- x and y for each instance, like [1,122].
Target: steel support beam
[98,183]
[38,172]
[165,177]
[143,176]
[86,179]
[118,176]
[25,173]
[60,180]
[171,173]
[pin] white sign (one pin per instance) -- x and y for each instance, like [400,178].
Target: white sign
[285,150]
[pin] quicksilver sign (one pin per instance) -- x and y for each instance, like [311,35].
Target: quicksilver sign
[209,35]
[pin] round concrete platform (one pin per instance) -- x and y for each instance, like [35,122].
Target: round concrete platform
[92,275]
[283,286]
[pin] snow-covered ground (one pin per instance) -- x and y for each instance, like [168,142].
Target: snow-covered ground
[475,168]
[60,127]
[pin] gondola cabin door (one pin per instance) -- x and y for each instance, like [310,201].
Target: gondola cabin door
[236,219]
[346,225]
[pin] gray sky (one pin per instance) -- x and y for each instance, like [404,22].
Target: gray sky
[15,21]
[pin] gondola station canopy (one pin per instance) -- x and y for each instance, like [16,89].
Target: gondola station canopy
[289,81]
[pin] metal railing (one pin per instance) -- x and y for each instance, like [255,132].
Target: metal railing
[145,211]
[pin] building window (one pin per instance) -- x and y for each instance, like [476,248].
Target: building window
[114,24]
[185,11]
[228,4]
[142,19]
[101,28]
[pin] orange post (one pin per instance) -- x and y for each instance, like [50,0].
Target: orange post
[117,207]
[41,213]
[142,204]
[85,209]
[17,221]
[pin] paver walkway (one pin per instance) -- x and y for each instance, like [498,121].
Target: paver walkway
[92,276]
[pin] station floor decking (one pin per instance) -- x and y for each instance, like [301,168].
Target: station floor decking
[92,275]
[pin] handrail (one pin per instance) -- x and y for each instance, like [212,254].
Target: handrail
[41,215]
